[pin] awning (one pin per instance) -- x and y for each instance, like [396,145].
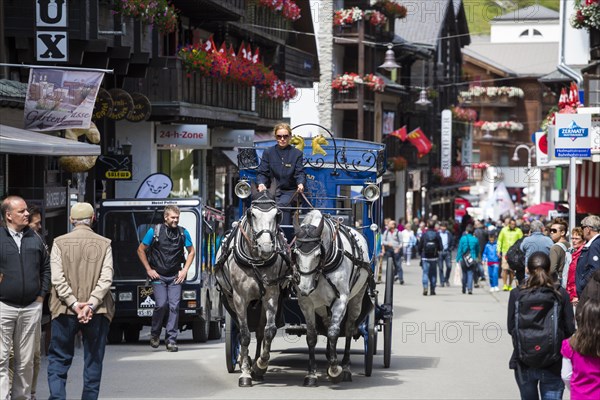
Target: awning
[19,141]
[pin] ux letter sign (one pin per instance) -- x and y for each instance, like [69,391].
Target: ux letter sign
[51,35]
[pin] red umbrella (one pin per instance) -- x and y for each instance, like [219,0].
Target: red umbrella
[541,209]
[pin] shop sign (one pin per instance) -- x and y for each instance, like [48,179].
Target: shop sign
[103,105]
[141,108]
[117,167]
[51,36]
[184,136]
[55,197]
[231,137]
[122,104]
[446,148]
[467,147]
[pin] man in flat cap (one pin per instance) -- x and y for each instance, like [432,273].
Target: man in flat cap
[24,281]
[82,273]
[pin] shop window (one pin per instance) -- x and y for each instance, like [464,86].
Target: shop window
[182,166]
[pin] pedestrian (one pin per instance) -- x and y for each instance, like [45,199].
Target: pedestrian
[408,242]
[448,245]
[490,256]
[589,260]
[537,331]
[536,241]
[581,355]
[283,163]
[165,244]
[506,238]
[578,242]
[24,282]
[391,246]
[430,247]
[590,292]
[80,301]
[468,244]
[559,254]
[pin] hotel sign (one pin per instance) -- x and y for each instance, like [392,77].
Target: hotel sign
[51,36]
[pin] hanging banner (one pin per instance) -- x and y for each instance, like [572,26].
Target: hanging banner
[155,186]
[446,144]
[467,147]
[59,99]
[400,133]
[418,139]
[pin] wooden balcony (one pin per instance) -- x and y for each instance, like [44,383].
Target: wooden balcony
[485,101]
[300,67]
[174,92]
[348,100]
[269,108]
[352,31]
[212,10]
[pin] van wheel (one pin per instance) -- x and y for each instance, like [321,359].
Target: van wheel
[199,331]
[214,330]
[132,334]
[115,334]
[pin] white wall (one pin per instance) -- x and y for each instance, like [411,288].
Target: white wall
[141,136]
[577,52]
[510,33]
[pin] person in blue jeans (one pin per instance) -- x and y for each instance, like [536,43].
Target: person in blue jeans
[163,266]
[467,244]
[430,247]
[446,254]
[493,261]
[391,246]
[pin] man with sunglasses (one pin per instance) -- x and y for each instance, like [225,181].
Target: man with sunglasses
[589,261]
[282,163]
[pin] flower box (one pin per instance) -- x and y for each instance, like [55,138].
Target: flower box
[503,133]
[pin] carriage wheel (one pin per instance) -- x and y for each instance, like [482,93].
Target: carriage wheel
[370,343]
[232,343]
[387,321]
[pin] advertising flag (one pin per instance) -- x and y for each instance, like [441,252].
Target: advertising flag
[420,141]
[60,99]
[400,133]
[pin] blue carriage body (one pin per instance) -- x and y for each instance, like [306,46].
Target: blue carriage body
[335,180]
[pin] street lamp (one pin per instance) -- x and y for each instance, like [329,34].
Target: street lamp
[389,63]
[530,155]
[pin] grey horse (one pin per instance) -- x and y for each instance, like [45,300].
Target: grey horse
[253,266]
[331,273]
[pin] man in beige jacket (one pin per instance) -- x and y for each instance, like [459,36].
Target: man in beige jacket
[82,273]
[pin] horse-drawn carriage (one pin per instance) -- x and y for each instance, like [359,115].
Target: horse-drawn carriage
[269,282]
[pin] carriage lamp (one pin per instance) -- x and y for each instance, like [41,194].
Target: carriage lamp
[188,295]
[242,189]
[371,192]
[374,227]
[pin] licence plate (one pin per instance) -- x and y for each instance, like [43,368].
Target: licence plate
[145,301]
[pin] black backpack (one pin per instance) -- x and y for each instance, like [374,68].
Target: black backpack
[515,257]
[538,334]
[430,245]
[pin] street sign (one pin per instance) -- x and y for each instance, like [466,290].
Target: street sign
[573,135]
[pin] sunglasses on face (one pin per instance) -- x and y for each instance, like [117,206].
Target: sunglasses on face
[553,230]
[282,137]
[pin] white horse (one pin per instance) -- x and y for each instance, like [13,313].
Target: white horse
[331,273]
[253,266]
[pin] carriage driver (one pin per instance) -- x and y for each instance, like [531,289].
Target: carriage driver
[283,163]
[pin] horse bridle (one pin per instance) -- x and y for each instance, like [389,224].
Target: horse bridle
[262,206]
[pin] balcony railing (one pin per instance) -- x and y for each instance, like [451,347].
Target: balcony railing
[172,84]
[269,108]
[351,96]
[274,24]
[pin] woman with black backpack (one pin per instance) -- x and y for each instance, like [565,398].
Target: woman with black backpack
[539,318]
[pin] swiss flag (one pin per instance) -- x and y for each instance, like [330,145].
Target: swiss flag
[209,45]
[401,133]
[418,139]
[242,52]
[588,187]
[255,57]
[223,48]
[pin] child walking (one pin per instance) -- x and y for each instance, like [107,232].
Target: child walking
[493,261]
[581,354]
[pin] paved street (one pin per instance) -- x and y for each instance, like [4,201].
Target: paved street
[449,346]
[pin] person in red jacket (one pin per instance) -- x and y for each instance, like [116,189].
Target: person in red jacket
[578,241]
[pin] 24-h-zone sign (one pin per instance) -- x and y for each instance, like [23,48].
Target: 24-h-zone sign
[573,136]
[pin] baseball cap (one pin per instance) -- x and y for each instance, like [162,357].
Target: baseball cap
[82,211]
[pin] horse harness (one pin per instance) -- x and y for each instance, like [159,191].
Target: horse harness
[331,260]
[234,244]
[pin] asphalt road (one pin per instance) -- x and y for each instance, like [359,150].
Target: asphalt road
[448,346]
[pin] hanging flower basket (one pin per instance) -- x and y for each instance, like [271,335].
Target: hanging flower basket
[287,8]
[158,13]
[587,15]
[390,8]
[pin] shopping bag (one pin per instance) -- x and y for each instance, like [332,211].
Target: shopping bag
[457,275]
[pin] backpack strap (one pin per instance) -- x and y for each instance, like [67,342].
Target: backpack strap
[562,246]
[156,233]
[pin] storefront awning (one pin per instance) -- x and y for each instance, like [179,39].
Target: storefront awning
[19,141]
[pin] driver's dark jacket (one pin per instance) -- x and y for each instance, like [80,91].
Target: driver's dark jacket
[284,165]
[24,275]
